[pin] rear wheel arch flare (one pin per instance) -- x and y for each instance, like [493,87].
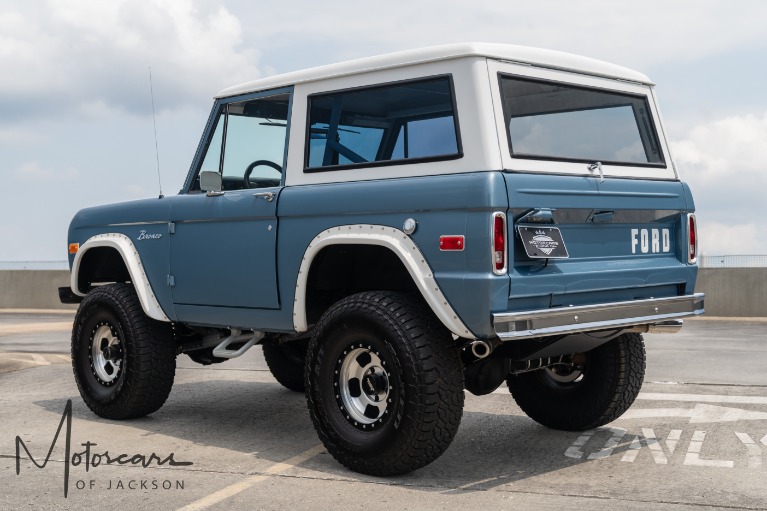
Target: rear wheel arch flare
[402,246]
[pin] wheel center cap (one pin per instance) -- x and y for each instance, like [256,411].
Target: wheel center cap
[111,352]
[373,384]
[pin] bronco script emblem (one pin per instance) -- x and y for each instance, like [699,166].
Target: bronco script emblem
[143,235]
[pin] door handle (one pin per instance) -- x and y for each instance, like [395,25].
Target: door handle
[268,196]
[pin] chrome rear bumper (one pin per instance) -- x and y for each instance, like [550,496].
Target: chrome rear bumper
[604,316]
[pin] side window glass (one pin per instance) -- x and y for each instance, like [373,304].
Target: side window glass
[254,134]
[359,140]
[383,124]
[425,137]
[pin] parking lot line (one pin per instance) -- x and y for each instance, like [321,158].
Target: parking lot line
[702,398]
[687,398]
[36,328]
[234,489]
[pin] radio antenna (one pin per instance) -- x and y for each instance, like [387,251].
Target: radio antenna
[154,123]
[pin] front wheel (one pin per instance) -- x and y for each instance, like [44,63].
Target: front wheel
[384,383]
[124,362]
[596,390]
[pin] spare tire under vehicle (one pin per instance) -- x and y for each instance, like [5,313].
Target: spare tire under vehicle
[597,390]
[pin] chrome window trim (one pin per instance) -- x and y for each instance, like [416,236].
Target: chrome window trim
[557,167]
[654,123]
[458,154]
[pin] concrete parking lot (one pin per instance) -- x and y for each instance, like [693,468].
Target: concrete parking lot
[695,438]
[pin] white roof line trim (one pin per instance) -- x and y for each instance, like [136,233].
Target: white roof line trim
[407,251]
[524,55]
[132,259]
[580,72]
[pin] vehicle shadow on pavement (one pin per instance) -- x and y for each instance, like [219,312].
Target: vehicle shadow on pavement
[272,423]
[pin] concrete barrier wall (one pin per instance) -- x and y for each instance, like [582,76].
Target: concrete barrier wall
[32,289]
[729,291]
[734,291]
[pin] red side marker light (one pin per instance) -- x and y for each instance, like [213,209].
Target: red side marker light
[451,243]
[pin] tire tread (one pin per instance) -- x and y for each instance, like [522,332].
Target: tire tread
[151,354]
[623,363]
[436,402]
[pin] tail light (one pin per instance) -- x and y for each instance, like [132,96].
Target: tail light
[499,246]
[692,240]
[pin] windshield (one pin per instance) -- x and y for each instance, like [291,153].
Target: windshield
[551,120]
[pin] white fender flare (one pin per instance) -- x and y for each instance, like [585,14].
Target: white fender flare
[130,255]
[399,243]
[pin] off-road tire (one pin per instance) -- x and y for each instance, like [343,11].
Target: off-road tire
[425,383]
[286,362]
[147,363]
[612,376]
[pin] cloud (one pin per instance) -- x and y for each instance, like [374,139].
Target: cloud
[34,171]
[133,191]
[723,161]
[74,88]
[659,31]
[15,136]
[63,58]
[84,57]
[720,238]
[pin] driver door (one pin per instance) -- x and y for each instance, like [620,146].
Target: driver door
[223,250]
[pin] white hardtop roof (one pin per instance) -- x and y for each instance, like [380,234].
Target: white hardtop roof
[535,56]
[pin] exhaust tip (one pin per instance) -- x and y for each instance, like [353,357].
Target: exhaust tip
[480,349]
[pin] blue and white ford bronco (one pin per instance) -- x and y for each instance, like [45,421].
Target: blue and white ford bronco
[396,230]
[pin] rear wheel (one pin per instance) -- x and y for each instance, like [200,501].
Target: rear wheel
[596,389]
[286,362]
[124,362]
[384,383]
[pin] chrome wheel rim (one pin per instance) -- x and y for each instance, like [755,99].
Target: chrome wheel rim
[106,354]
[564,374]
[363,386]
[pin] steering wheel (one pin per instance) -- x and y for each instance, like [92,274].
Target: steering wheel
[255,164]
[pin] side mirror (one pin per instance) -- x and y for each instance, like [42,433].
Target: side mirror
[210,182]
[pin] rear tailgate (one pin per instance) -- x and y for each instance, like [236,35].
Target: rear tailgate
[626,239]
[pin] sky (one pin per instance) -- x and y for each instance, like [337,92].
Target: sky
[76,114]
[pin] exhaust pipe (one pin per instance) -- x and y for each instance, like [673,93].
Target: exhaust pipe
[664,327]
[481,349]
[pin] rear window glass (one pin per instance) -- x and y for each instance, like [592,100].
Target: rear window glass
[549,120]
[403,122]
